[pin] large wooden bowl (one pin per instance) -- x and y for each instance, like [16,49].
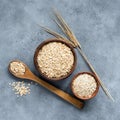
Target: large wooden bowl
[95,92]
[46,42]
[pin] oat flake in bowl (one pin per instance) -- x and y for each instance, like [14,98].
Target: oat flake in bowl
[55,59]
[85,85]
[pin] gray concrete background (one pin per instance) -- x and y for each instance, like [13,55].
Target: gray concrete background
[96,24]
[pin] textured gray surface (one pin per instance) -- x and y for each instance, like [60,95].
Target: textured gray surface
[96,24]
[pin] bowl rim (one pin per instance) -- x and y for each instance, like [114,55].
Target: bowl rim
[95,92]
[46,42]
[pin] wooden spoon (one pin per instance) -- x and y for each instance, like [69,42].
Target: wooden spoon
[29,75]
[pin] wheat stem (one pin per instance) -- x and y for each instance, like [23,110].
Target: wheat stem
[68,32]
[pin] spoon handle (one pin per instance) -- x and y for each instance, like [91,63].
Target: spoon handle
[58,92]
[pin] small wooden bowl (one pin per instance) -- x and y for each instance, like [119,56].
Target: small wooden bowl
[46,42]
[96,91]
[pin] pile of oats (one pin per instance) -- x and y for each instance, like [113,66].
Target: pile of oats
[84,85]
[17,68]
[55,59]
[20,88]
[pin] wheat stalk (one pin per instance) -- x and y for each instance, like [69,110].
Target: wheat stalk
[75,43]
[68,32]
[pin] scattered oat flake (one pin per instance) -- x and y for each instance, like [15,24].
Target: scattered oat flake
[20,88]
